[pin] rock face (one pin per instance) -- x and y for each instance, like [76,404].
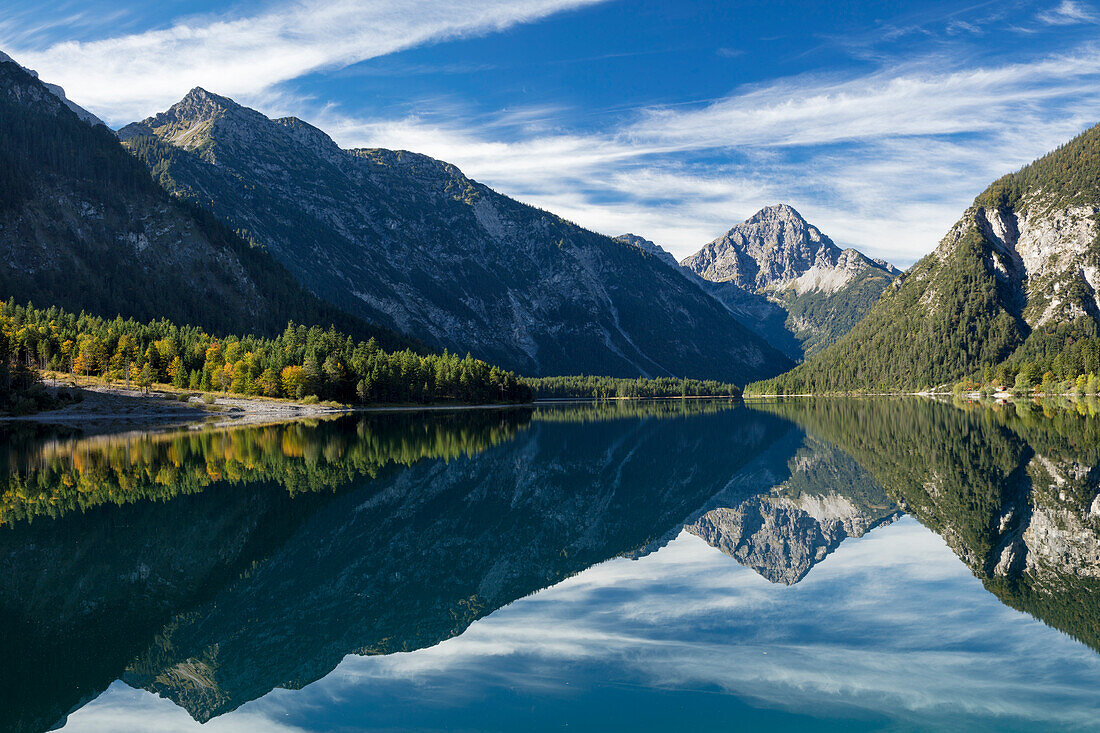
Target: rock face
[1047,256]
[823,498]
[60,94]
[765,252]
[779,275]
[410,242]
[651,247]
[1016,275]
[83,226]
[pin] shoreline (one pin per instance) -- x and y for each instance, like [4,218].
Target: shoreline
[109,408]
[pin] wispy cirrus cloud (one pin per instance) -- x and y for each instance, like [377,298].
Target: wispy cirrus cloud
[129,76]
[1069,12]
[883,161]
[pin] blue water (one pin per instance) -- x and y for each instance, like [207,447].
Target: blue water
[825,567]
[891,632]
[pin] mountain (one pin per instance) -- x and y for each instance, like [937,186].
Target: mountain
[410,242]
[814,502]
[788,282]
[83,226]
[1017,275]
[651,247]
[238,560]
[58,92]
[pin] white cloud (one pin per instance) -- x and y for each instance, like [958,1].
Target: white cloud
[892,624]
[128,77]
[885,162]
[1068,12]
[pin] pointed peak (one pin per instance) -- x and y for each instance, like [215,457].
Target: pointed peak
[199,97]
[776,212]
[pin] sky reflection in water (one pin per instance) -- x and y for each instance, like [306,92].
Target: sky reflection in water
[892,632]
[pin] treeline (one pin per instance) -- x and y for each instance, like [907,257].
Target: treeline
[53,478]
[1074,369]
[906,343]
[301,363]
[587,387]
[1067,176]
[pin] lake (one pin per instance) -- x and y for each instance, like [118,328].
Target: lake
[829,564]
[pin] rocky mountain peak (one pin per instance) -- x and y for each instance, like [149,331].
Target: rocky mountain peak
[198,102]
[765,252]
[784,213]
[191,123]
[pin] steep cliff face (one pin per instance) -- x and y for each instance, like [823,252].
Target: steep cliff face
[1016,276]
[1048,256]
[779,275]
[411,242]
[83,226]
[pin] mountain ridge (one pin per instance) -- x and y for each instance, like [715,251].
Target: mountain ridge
[410,242]
[787,281]
[84,227]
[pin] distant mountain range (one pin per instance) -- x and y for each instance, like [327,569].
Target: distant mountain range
[1014,278]
[409,242]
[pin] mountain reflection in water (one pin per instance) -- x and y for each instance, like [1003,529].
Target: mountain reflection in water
[213,566]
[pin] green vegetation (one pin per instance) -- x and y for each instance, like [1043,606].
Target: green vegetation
[818,319]
[1067,176]
[54,478]
[905,343]
[953,317]
[587,387]
[299,363]
[21,391]
[92,212]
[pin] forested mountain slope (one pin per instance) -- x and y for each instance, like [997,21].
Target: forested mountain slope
[783,278]
[410,242]
[1016,275]
[83,226]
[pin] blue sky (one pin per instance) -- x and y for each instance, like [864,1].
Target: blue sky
[674,119]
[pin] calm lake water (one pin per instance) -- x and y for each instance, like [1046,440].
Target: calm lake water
[799,565]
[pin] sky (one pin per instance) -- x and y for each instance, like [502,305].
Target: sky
[672,119]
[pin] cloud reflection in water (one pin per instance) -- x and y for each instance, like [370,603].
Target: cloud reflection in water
[891,631]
